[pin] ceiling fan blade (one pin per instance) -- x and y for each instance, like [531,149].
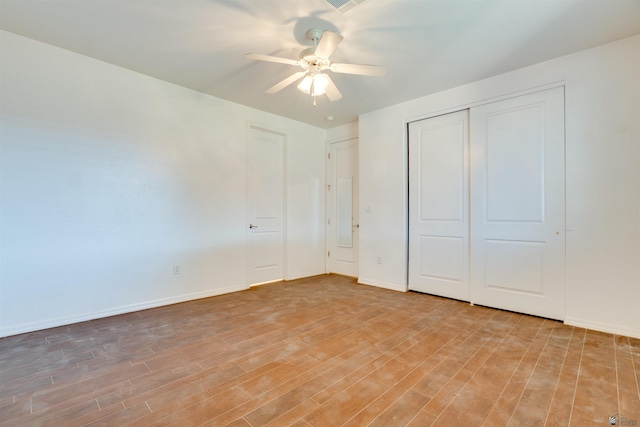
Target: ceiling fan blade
[362,70]
[327,44]
[270,58]
[332,91]
[286,82]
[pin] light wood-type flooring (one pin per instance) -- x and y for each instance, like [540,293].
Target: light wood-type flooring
[321,351]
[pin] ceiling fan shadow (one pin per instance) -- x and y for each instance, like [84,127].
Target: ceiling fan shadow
[303,24]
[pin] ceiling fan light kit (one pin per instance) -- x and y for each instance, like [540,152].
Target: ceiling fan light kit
[314,84]
[314,61]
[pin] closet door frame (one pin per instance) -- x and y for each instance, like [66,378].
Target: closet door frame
[464,105]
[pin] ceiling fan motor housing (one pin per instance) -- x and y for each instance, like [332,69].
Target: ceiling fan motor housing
[308,59]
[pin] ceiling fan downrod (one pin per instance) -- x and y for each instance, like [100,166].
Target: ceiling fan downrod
[314,34]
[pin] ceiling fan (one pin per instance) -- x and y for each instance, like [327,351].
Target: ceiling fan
[314,61]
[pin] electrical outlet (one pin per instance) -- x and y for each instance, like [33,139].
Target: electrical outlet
[176,269]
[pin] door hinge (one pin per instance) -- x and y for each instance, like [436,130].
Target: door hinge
[329,221]
[328,156]
[328,187]
[329,253]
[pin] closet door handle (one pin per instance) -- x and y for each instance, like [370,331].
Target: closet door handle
[253,226]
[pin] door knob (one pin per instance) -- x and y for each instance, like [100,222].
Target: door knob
[253,226]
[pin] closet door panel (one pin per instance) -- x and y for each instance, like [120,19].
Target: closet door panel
[439,206]
[517,204]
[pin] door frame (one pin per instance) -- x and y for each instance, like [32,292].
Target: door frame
[453,109]
[331,208]
[285,134]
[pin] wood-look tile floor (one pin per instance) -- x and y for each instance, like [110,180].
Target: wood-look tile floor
[321,351]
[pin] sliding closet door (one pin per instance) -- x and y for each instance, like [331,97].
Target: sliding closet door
[517,204]
[438,206]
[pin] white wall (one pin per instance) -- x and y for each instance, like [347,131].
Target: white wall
[341,133]
[602,179]
[109,178]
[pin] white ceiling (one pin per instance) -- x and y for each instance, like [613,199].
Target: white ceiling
[426,45]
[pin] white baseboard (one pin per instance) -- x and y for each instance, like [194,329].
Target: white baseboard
[68,320]
[602,327]
[305,275]
[379,284]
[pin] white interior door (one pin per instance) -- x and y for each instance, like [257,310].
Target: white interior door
[439,205]
[265,205]
[342,208]
[517,204]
